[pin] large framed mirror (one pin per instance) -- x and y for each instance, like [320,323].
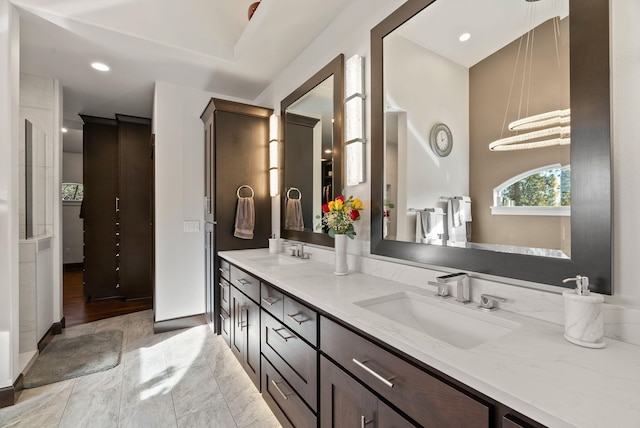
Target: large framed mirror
[491,138]
[311,120]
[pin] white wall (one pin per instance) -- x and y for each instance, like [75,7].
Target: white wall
[9,88]
[179,288]
[430,175]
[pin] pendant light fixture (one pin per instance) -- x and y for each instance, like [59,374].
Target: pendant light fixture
[542,130]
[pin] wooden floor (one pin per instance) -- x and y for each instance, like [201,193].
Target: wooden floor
[77,311]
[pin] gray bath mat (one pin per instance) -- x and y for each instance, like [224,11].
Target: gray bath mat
[76,356]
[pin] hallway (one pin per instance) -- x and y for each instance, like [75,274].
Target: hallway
[182,378]
[77,311]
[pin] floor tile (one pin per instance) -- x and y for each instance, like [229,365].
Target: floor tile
[156,412]
[98,409]
[217,416]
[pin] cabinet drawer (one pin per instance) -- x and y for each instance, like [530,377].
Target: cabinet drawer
[225,295]
[246,283]
[224,269]
[292,357]
[429,401]
[271,300]
[301,319]
[288,407]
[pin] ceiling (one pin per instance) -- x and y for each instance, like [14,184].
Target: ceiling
[492,25]
[204,44]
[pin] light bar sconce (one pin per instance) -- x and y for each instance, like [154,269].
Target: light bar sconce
[354,120]
[274,153]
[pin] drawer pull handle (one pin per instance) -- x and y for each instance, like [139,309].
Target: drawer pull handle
[277,387]
[364,422]
[299,321]
[373,373]
[278,330]
[223,270]
[244,324]
[270,300]
[224,316]
[223,286]
[242,281]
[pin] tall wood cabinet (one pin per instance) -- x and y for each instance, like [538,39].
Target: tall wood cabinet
[117,207]
[236,154]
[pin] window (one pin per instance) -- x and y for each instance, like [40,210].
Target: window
[541,191]
[72,191]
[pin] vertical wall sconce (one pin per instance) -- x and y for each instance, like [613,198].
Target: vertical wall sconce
[274,154]
[354,120]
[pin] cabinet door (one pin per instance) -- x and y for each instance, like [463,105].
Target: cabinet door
[209,275]
[237,317]
[344,403]
[100,177]
[134,142]
[252,341]
[389,418]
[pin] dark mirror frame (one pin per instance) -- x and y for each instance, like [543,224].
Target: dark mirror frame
[591,204]
[336,69]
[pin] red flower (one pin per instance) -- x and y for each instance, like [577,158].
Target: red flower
[325,208]
[354,214]
[340,198]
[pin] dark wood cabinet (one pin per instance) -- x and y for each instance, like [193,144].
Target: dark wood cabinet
[426,399]
[117,207]
[236,146]
[346,403]
[316,370]
[245,333]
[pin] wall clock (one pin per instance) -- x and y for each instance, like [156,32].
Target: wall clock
[441,140]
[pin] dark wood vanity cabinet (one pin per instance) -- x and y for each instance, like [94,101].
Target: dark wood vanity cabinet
[424,398]
[313,370]
[346,403]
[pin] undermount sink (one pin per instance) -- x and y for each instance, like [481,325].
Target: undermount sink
[462,327]
[276,260]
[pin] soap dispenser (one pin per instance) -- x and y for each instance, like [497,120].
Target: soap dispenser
[583,322]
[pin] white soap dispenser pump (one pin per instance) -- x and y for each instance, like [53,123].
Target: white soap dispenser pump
[583,322]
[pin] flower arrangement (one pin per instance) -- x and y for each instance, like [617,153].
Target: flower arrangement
[339,215]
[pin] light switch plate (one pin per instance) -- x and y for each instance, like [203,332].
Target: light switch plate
[192,226]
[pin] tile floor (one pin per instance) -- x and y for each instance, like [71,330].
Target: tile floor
[183,378]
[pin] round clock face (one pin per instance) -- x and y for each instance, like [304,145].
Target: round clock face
[441,140]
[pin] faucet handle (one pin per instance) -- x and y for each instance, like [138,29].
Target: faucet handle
[490,303]
[442,289]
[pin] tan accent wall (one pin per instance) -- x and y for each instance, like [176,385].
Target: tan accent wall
[489,83]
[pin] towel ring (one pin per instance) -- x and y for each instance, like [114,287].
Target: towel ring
[245,186]
[297,190]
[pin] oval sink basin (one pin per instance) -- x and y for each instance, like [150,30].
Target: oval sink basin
[462,327]
[276,260]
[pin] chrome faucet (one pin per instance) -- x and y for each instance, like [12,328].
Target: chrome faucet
[490,303]
[297,250]
[462,284]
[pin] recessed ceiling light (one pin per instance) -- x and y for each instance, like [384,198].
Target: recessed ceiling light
[464,37]
[100,66]
[63,129]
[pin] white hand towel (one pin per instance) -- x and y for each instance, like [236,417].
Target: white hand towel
[245,218]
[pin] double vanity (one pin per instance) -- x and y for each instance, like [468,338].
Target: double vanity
[328,350]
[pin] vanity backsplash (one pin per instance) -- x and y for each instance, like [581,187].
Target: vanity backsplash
[620,322]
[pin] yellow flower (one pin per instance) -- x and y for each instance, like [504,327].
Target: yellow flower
[331,204]
[356,204]
[337,205]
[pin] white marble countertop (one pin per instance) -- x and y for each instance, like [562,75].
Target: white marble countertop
[532,369]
